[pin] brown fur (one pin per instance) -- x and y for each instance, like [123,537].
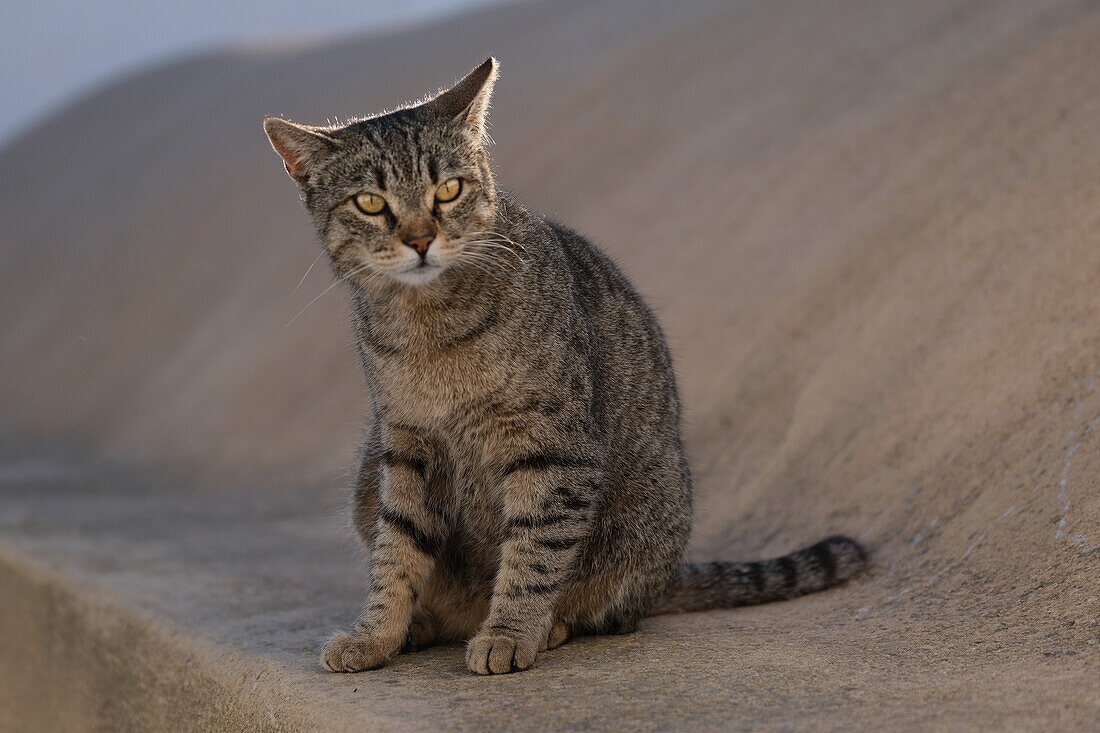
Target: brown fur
[524,479]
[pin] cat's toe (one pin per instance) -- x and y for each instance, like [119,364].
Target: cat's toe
[489,654]
[348,653]
[332,655]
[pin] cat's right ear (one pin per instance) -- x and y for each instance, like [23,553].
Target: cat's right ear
[301,147]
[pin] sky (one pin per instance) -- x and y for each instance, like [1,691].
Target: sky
[52,51]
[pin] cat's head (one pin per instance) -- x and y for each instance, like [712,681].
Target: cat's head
[403,195]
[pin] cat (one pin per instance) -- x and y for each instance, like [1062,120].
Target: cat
[523,479]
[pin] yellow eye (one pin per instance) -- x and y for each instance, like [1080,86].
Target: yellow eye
[370,203]
[448,190]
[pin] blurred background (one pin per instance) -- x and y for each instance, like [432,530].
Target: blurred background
[843,213]
[55,51]
[869,230]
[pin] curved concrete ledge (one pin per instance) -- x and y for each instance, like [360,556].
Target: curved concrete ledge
[199,610]
[71,660]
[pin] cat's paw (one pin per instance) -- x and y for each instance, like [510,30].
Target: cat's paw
[495,654]
[556,635]
[348,653]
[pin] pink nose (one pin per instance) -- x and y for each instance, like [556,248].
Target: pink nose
[421,243]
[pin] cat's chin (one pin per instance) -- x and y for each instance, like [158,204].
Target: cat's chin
[418,276]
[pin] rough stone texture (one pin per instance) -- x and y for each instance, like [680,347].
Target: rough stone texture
[869,228]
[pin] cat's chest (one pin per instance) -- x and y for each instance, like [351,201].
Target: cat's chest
[460,403]
[427,365]
[436,388]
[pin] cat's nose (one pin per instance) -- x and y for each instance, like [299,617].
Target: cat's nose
[420,243]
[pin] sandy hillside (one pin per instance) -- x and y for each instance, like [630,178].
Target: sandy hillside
[871,230]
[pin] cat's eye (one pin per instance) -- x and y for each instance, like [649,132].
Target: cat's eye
[370,203]
[448,190]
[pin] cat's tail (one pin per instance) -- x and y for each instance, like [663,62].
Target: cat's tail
[706,586]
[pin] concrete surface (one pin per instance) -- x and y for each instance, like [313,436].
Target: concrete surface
[870,230]
[159,605]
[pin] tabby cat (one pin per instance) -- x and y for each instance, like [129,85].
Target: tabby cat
[523,479]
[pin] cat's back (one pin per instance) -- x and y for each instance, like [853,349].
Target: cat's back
[633,366]
[621,316]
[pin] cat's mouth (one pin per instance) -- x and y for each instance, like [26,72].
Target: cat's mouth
[419,274]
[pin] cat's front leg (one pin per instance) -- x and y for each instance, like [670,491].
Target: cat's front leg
[407,540]
[549,502]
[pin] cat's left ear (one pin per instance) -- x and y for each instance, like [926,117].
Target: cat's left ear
[301,147]
[467,102]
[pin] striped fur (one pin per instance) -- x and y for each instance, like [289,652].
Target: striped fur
[523,479]
[706,586]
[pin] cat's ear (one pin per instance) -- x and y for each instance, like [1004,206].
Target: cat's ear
[301,147]
[467,102]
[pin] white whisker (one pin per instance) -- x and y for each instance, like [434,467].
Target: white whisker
[473,257]
[497,236]
[492,244]
[486,249]
[330,287]
[482,256]
[306,274]
[484,267]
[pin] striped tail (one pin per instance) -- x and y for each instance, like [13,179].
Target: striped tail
[705,586]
